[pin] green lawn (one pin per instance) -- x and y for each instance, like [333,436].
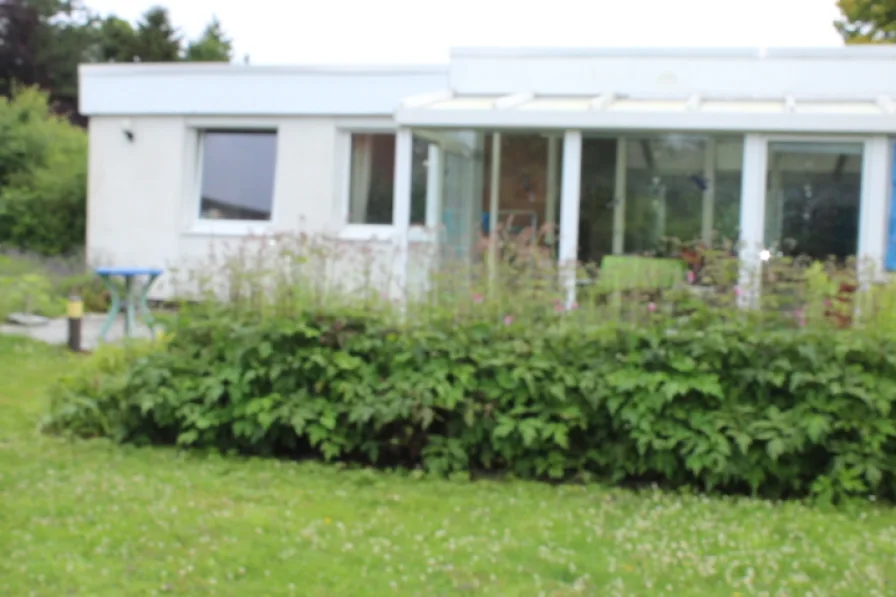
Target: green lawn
[91,518]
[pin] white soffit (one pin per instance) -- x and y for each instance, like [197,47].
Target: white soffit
[609,111]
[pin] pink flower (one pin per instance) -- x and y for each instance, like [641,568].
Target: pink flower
[800,317]
[478,298]
[574,306]
[691,277]
[508,320]
[559,308]
[651,307]
[827,302]
[738,291]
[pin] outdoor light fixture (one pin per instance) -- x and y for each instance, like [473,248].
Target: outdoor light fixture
[128,130]
[765,255]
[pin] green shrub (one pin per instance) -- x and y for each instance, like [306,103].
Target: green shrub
[30,293]
[89,287]
[91,399]
[42,285]
[703,400]
[43,177]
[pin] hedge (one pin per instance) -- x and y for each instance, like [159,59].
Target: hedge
[710,402]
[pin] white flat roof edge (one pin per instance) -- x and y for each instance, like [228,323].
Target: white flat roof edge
[862,52]
[786,122]
[198,68]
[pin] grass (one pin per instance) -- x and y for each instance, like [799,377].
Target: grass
[91,518]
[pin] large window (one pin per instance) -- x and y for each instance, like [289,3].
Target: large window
[651,195]
[238,170]
[812,202]
[372,179]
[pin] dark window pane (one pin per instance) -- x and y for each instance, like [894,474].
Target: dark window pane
[419,172]
[238,175]
[372,179]
[812,203]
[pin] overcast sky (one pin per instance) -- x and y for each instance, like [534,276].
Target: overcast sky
[422,31]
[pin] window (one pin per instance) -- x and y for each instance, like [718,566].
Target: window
[649,195]
[237,175]
[812,203]
[372,179]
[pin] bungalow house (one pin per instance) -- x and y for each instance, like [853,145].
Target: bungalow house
[787,151]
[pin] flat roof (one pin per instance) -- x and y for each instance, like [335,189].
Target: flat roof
[869,51]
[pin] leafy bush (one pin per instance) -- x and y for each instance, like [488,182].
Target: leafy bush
[87,401]
[289,354]
[41,285]
[700,400]
[29,293]
[43,177]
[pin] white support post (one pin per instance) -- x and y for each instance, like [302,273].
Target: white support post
[569,212]
[552,190]
[473,189]
[709,193]
[752,220]
[619,197]
[874,209]
[401,210]
[494,197]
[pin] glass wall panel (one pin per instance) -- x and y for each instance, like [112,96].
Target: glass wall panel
[812,199]
[652,195]
[527,208]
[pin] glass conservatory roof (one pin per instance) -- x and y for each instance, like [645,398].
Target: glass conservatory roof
[612,111]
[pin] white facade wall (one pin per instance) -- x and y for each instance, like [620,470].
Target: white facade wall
[144,192]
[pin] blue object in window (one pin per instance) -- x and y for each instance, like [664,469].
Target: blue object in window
[891,237]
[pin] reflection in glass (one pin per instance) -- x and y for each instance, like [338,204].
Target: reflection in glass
[238,175]
[812,202]
[652,195]
[372,179]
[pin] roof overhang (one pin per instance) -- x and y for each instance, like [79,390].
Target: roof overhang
[608,111]
[246,90]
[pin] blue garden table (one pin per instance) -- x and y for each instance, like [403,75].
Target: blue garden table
[137,282]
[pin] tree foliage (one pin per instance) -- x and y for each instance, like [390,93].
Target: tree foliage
[867,21]
[43,176]
[212,46]
[42,42]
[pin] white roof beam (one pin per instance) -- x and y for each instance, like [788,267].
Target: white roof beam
[887,104]
[790,104]
[512,101]
[693,103]
[426,99]
[602,102]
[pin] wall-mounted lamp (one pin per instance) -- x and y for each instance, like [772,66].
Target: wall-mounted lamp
[128,129]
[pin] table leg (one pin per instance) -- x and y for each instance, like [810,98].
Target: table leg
[143,303]
[114,307]
[129,305]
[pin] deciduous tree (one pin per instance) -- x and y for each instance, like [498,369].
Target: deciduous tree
[867,21]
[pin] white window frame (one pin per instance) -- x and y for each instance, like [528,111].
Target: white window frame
[195,223]
[366,232]
[873,203]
